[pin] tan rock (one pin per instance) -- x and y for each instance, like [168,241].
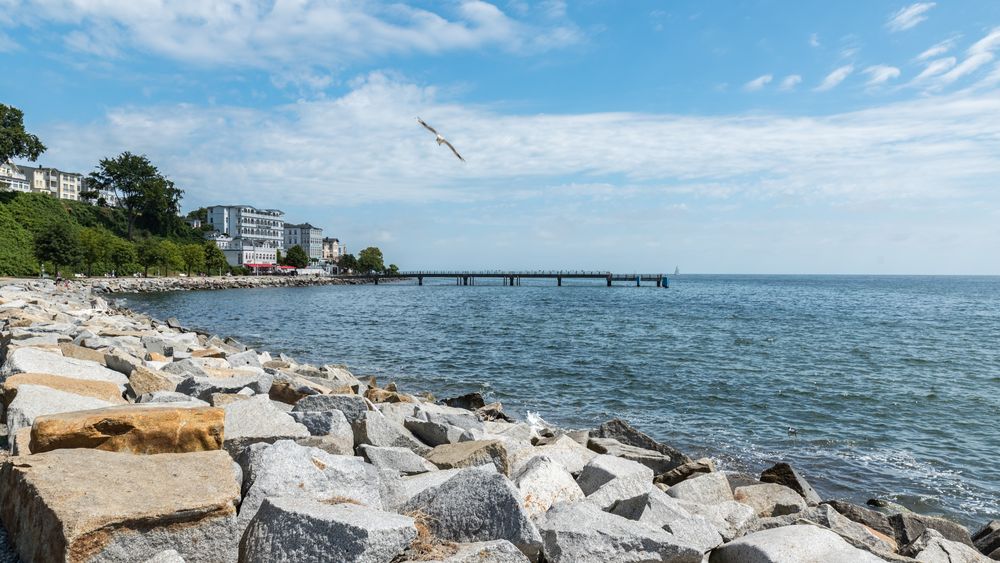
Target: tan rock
[223,399]
[208,353]
[383,396]
[156,357]
[104,390]
[143,380]
[71,350]
[137,429]
[471,454]
[90,505]
[229,372]
[115,332]
[291,390]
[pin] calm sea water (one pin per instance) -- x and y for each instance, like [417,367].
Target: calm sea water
[892,383]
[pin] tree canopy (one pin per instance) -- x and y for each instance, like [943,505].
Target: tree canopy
[58,243]
[142,191]
[370,260]
[297,257]
[15,142]
[348,262]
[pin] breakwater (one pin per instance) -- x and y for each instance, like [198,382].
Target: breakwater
[125,430]
[156,285]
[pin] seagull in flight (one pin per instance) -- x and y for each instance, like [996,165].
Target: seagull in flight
[440,140]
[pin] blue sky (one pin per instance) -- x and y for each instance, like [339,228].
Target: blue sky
[734,137]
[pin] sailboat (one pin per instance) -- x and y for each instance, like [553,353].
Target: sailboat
[677,271]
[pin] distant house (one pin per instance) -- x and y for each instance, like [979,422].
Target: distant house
[13,179]
[60,184]
[333,250]
[310,238]
[246,235]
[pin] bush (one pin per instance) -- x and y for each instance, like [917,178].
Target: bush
[16,247]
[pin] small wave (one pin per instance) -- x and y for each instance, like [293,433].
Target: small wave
[743,342]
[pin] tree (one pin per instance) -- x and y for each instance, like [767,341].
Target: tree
[15,142]
[348,262]
[215,259]
[297,257]
[370,260]
[393,270]
[150,254]
[193,256]
[140,188]
[58,243]
[172,260]
[278,258]
[121,254]
[96,244]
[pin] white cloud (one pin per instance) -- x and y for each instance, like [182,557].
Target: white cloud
[758,83]
[833,79]
[979,54]
[814,40]
[7,44]
[880,74]
[366,147]
[936,67]
[937,50]
[908,17]
[987,44]
[790,82]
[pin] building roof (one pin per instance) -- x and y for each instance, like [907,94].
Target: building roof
[301,226]
[329,239]
[249,207]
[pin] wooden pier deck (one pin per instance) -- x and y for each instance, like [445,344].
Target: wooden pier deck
[513,278]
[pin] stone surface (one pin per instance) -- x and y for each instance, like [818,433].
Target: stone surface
[203,387]
[609,479]
[909,526]
[471,454]
[652,459]
[469,401]
[378,430]
[784,474]
[730,518]
[169,397]
[791,543]
[35,360]
[542,483]
[684,471]
[657,509]
[864,516]
[626,434]
[83,504]
[247,358]
[323,423]
[400,460]
[166,556]
[987,538]
[399,490]
[856,534]
[136,429]
[710,488]
[475,505]
[258,420]
[770,499]
[353,406]
[33,401]
[70,350]
[564,450]
[932,547]
[103,390]
[436,433]
[311,531]
[143,380]
[288,469]
[122,362]
[582,533]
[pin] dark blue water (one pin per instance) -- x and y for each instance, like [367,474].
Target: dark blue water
[893,383]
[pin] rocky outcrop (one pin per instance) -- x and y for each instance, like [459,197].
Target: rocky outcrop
[785,474]
[791,543]
[471,454]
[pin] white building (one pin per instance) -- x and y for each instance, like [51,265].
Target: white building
[63,185]
[333,250]
[254,235]
[310,238]
[13,179]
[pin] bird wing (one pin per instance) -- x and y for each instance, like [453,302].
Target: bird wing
[429,128]
[453,150]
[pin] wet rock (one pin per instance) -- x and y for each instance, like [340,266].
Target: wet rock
[476,505]
[684,471]
[784,474]
[801,542]
[542,483]
[869,518]
[626,434]
[582,533]
[909,526]
[33,401]
[469,401]
[710,488]
[933,547]
[770,499]
[34,360]
[471,454]
[103,390]
[136,429]
[608,479]
[987,539]
[303,529]
[400,460]
[121,507]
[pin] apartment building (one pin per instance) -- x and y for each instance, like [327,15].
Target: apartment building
[63,185]
[310,238]
[333,250]
[251,235]
[13,179]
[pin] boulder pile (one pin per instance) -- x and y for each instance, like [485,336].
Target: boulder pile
[136,440]
[153,285]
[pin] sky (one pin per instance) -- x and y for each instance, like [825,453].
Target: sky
[737,136]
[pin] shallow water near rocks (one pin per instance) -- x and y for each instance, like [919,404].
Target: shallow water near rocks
[891,383]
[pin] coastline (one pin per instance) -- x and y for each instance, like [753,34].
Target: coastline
[156,285]
[613,477]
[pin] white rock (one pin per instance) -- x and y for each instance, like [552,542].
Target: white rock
[707,488]
[542,483]
[33,401]
[35,360]
[801,542]
[609,479]
[565,451]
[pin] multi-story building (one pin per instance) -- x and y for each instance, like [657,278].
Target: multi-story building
[109,197]
[333,250]
[255,235]
[63,185]
[310,238]
[13,179]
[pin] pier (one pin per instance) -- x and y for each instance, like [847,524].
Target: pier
[513,278]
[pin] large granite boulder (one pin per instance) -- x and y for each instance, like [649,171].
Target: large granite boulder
[471,454]
[987,539]
[170,397]
[909,526]
[476,505]
[143,380]
[103,390]
[659,463]
[288,469]
[324,423]
[312,531]
[564,450]
[542,483]
[353,407]
[35,360]
[203,387]
[657,509]
[932,547]
[33,401]
[136,429]
[622,431]
[609,479]
[784,474]
[867,517]
[684,471]
[856,534]
[399,460]
[709,488]
[258,420]
[802,542]
[436,433]
[770,499]
[582,533]
[377,430]
[730,518]
[92,505]
[398,490]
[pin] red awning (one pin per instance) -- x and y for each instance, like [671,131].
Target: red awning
[287,267]
[259,265]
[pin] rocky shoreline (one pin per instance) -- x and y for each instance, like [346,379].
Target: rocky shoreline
[134,439]
[156,285]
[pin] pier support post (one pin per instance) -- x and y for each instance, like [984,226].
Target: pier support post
[559,282]
[420,280]
[659,281]
[638,281]
[609,281]
[376,280]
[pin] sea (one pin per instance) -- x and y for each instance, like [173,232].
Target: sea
[871,386]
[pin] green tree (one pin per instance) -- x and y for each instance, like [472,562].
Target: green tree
[122,254]
[193,256]
[150,254]
[160,210]
[279,259]
[296,257]
[15,142]
[172,259]
[16,247]
[393,270]
[96,245]
[140,188]
[348,262]
[59,243]
[370,260]
[215,259]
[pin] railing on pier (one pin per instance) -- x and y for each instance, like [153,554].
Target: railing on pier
[469,277]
